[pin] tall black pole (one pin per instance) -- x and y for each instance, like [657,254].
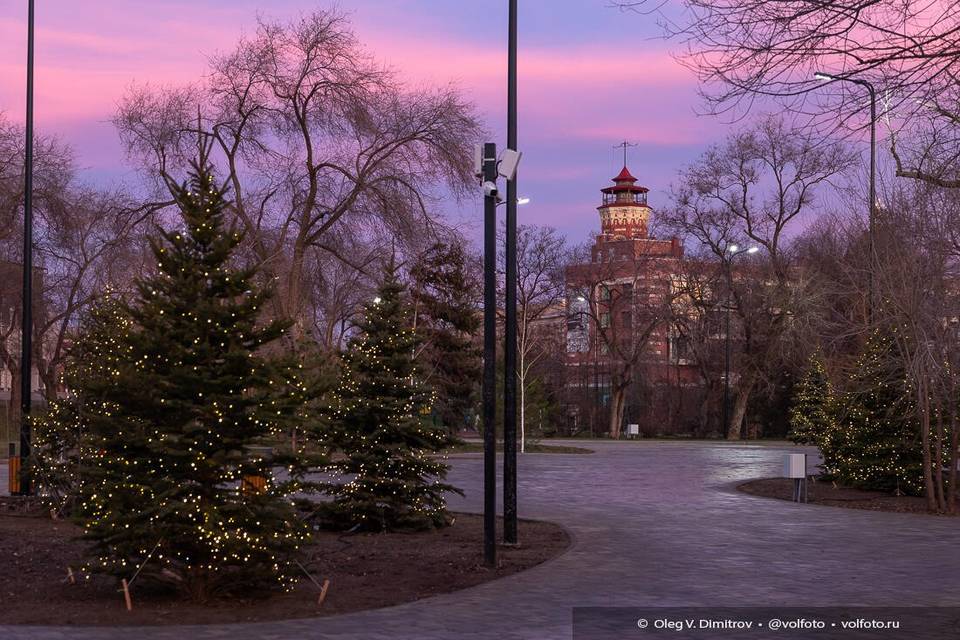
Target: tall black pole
[26,330]
[726,375]
[489,357]
[873,195]
[510,303]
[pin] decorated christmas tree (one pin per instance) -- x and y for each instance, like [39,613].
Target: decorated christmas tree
[175,482]
[59,432]
[876,444]
[389,475]
[811,407]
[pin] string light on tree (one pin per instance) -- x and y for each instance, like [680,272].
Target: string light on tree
[389,476]
[168,435]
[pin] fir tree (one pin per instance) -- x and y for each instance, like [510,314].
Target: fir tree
[876,441]
[811,407]
[171,427]
[380,423]
[59,431]
[448,323]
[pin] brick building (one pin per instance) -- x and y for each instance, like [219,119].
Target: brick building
[625,364]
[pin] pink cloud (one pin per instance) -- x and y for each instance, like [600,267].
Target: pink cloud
[589,92]
[576,101]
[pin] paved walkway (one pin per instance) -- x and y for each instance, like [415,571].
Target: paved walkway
[655,524]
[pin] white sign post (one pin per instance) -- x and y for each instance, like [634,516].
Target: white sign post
[795,468]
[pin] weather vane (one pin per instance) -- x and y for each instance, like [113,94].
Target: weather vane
[625,145]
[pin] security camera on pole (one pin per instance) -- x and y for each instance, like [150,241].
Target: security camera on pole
[488,168]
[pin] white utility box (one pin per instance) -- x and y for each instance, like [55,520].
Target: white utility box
[795,465]
[633,431]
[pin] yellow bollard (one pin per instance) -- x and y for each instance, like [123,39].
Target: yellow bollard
[14,471]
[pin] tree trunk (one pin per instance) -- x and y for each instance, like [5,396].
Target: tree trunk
[292,306]
[923,403]
[523,413]
[704,412]
[48,383]
[952,458]
[938,458]
[734,429]
[617,407]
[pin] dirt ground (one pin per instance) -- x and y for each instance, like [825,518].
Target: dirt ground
[826,493]
[365,571]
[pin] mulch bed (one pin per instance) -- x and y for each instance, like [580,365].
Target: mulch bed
[365,571]
[827,493]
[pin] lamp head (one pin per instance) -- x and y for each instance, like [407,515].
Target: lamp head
[819,75]
[753,249]
[732,248]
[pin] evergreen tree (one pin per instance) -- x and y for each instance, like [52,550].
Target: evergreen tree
[172,478]
[811,412]
[58,432]
[876,444]
[447,322]
[380,423]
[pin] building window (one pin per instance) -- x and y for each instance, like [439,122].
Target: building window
[680,352]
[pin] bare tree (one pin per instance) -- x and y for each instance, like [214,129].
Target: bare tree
[745,50]
[698,324]
[337,290]
[542,255]
[312,135]
[921,311]
[85,239]
[749,191]
[87,243]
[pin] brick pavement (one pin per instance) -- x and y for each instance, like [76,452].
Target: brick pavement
[654,524]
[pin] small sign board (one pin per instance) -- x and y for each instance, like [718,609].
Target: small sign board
[795,465]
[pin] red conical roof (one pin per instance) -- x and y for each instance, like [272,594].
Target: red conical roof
[624,182]
[625,176]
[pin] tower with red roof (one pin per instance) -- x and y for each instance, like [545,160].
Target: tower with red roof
[625,224]
[624,213]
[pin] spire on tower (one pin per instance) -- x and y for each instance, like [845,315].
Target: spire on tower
[624,145]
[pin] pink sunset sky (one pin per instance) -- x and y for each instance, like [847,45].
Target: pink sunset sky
[590,76]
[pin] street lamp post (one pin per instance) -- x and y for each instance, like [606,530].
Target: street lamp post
[510,303]
[489,173]
[488,168]
[873,176]
[26,328]
[734,251]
